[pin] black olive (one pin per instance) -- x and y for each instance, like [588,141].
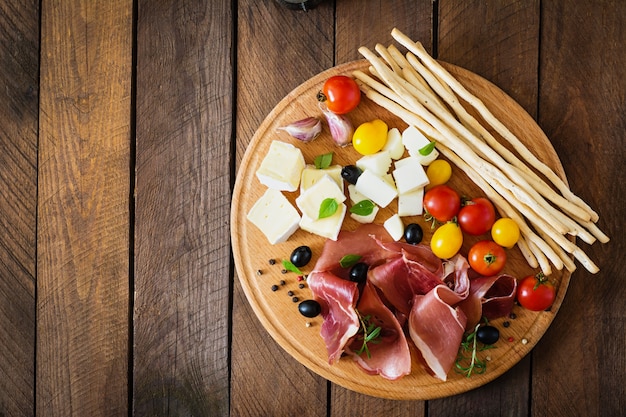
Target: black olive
[358,273]
[487,335]
[413,233]
[309,308]
[350,173]
[301,256]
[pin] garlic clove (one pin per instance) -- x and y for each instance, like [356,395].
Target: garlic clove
[341,128]
[305,130]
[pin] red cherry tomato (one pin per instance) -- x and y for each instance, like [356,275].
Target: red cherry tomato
[536,293]
[442,203]
[477,216]
[340,93]
[487,258]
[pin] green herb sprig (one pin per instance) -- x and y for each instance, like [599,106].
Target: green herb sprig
[323,161]
[328,207]
[371,333]
[289,266]
[472,364]
[349,260]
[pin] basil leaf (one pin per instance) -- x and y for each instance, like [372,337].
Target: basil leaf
[328,207]
[349,260]
[323,161]
[427,150]
[289,266]
[363,208]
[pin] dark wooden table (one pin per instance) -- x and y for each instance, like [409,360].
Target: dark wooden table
[121,128]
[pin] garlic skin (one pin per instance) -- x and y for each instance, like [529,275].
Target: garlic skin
[341,128]
[304,130]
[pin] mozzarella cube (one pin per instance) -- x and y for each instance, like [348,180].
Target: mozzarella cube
[274,215]
[281,167]
[412,203]
[376,188]
[394,144]
[310,201]
[409,175]
[413,141]
[394,227]
[379,163]
[328,227]
[310,175]
[355,196]
[366,219]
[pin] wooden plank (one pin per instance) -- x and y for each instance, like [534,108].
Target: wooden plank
[579,368]
[19,60]
[497,40]
[183,177]
[83,209]
[265,379]
[416,20]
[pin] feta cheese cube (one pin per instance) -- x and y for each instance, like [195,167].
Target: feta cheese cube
[328,227]
[394,144]
[409,175]
[379,163]
[355,196]
[310,201]
[274,215]
[281,167]
[412,203]
[310,175]
[394,227]
[413,141]
[376,188]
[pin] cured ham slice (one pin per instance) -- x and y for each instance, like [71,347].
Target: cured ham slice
[338,299]
[489,297]
[401,278]
[364,241]
[390,356]
[437,329]
[407,287]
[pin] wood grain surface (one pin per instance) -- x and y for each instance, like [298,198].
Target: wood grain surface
[122,125]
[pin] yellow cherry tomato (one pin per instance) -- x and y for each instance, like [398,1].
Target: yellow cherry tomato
[438,172]
[370,137]
[447,240]
[505,232]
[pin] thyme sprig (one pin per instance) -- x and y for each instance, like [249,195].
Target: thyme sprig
[371,333]
[471,364]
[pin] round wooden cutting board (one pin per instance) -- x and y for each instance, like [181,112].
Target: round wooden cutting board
[277,311]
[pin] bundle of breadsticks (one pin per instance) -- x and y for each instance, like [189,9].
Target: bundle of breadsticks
[420,91]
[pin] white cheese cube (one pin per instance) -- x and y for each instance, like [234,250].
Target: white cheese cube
[376,188]
[394,227]
[310,175]
[413,141]
[379,163]
[355,196]
[310,201]
[412,203]
[394,144]
[409,175]
[274,215]
[328,227]
[389,180]
[281,167]
[365,219]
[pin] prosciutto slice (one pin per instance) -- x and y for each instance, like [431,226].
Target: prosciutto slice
[489,297]
[437,329]
[401,278]
[390,356]
[338,299]
[407,287]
